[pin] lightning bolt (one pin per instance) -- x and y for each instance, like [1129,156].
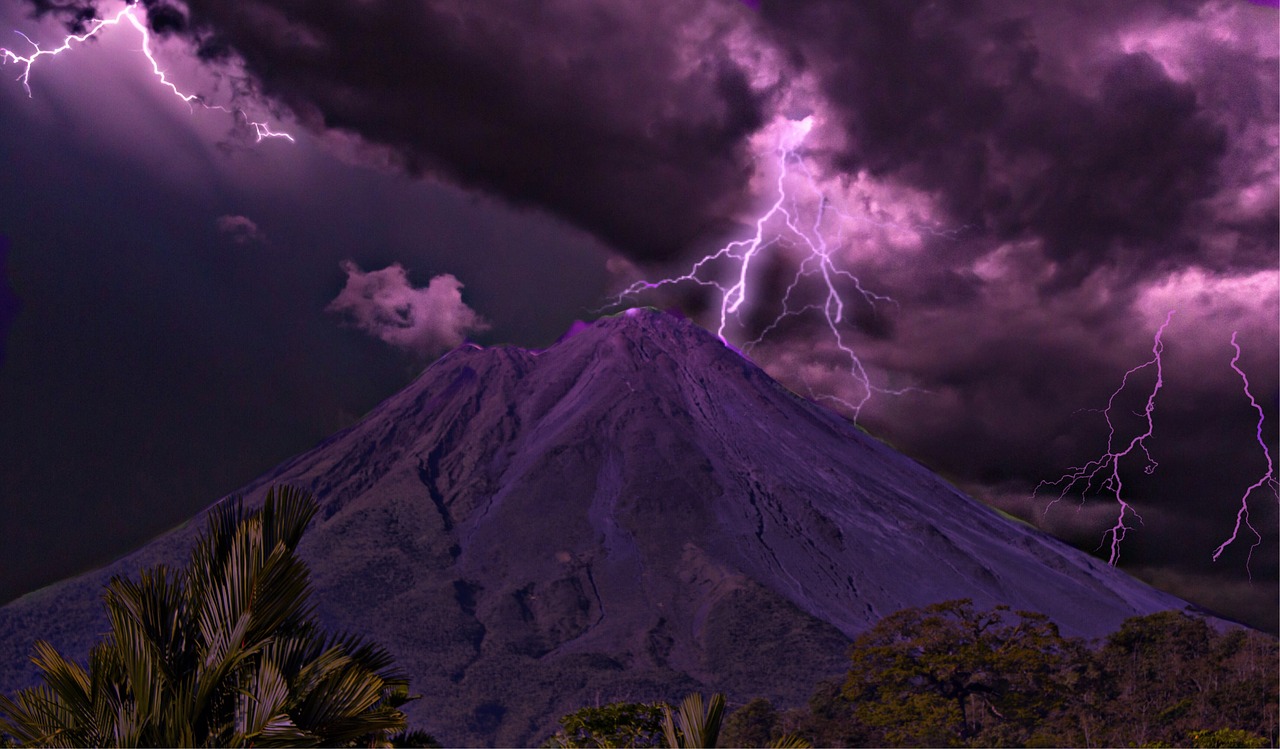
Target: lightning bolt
[261,129]
[782,226]
[1108,465]
[1267,479]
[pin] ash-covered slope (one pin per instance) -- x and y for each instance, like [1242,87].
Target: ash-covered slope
[633,513]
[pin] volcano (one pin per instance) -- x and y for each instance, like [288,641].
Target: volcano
[634,513]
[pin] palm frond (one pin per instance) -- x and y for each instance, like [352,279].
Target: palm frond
[694,726]
[225,652]
[36,717]
[69,681]
[790,741]
[286,513]
[264,703]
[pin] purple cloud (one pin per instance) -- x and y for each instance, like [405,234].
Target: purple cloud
[425,321]
[241,229]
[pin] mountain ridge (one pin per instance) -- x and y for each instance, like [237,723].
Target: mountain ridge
[636,511]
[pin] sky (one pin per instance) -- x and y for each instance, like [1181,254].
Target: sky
[1004,200]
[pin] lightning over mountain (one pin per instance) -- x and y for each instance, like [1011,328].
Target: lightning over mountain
[1268,479]
[800,222]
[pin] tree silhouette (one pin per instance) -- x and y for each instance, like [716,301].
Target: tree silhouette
[948,675]
[224,652]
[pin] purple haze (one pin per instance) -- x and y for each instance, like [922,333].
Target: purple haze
[8,299]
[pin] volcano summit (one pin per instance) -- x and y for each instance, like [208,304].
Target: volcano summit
[633,513]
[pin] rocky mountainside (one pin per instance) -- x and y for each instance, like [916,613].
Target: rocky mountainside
[633,513]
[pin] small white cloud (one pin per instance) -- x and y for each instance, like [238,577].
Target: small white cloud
[426,321]
[241,229]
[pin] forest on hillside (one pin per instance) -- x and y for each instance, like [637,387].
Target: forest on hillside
[953,675]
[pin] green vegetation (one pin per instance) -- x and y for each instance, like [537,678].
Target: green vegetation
[753,724]
[643,724]
[693,725]
[617,725]
[653,724]
[948,673]
[224,652]
[1226,737]
[952,675]
[415,739]
[1171,678]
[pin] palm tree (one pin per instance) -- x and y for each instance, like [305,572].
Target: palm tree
[694,726]
[225,652]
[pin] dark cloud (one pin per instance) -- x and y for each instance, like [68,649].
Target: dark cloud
[596,114]
[1103,165]
[634,124]
[165,17]
[76,14]
[624,120]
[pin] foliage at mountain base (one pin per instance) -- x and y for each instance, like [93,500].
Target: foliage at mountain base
[616,725]
[224,652]
[952,675]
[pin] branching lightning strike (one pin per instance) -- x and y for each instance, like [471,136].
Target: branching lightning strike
[819,262]
[261,129]
[1108,465]
[1267,479]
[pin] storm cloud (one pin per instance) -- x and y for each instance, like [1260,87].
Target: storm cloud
[1104,159]
[1025,120]
[626,119]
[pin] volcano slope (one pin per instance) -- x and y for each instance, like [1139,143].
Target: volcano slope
[633,513]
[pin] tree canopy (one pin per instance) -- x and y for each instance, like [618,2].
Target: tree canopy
[612,726]
[223,652]
[948,674]
[953,675]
